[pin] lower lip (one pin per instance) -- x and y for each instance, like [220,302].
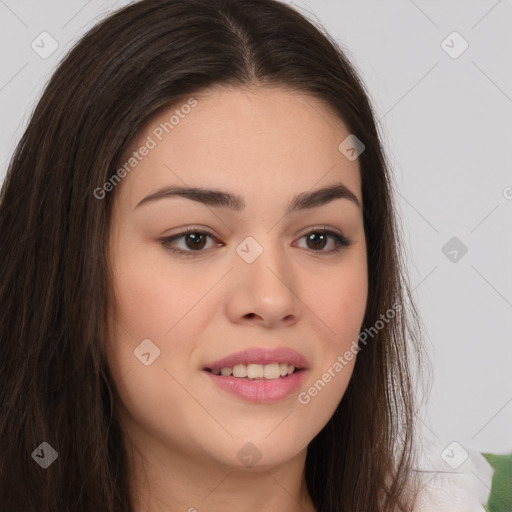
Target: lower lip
[260,390]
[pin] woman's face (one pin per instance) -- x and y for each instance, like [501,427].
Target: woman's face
[265,276]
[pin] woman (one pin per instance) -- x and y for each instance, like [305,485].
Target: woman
[202,293]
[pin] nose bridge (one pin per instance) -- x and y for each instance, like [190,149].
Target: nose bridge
[264,260]
[264,278]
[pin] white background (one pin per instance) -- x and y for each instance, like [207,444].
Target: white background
[447,125]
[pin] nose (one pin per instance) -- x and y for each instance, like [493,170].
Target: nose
[264,292]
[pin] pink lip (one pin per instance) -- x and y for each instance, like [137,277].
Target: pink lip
[260,356]
[260,390]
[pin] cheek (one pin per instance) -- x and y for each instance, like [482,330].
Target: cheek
[339,301]
[152,295]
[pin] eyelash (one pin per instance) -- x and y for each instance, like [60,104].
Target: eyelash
[341,241]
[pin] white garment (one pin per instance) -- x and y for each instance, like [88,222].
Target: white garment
[447,486]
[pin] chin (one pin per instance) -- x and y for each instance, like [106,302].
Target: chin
[262,453]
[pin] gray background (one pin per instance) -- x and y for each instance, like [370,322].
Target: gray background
[447,128]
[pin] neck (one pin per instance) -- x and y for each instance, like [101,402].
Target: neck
[172,479]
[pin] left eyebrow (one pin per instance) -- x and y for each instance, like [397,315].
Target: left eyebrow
[217,198]
[319,197]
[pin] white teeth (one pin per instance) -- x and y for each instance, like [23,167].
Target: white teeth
[271,371]
[240,370]
[257,371]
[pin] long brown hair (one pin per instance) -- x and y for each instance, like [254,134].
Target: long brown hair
[55,385]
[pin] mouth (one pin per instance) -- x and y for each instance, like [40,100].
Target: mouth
[259,375]
[256,388]
[254,371]
[259,363]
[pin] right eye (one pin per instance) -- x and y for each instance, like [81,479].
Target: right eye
[194,242]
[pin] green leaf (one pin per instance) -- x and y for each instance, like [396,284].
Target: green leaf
[500,499]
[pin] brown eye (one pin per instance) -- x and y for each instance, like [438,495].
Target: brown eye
[318,240]
[192,241]
[195,241]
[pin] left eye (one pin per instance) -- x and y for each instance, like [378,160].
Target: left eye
[318,240]
[195,241]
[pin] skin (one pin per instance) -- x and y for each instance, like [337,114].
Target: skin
[182,432]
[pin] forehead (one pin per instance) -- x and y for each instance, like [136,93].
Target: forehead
[258,142]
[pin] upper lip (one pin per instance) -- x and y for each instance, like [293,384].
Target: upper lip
[263,356]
